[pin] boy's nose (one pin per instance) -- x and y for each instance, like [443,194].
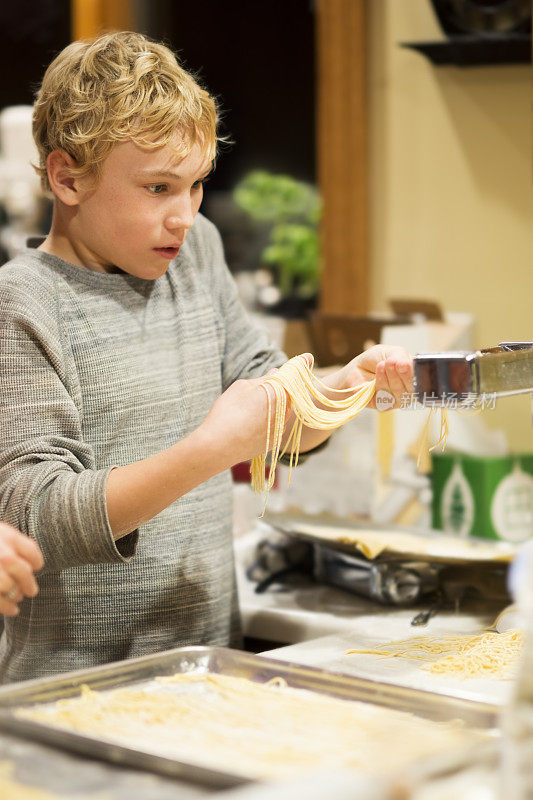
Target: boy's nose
[182,217]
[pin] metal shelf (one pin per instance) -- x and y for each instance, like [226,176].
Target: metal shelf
[471,51]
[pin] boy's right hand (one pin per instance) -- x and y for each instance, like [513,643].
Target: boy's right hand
[239,419]
[20,556]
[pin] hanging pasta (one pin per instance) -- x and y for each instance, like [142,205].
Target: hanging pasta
[294,383]
[424,448]
[295,387]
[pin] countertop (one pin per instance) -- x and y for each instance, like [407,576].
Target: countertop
[318,623]
[309,610]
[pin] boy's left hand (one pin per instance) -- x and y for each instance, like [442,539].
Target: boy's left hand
[392,367]
[20,557]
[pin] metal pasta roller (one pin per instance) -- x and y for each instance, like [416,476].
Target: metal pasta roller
[395,583]
[467,378]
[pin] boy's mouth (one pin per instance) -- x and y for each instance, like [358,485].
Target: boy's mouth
[167,252]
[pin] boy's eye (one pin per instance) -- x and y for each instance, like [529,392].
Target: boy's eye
[200,182]
[157,188]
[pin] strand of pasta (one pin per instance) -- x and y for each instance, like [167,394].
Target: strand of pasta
[424,446]
[487,654]
[295,385]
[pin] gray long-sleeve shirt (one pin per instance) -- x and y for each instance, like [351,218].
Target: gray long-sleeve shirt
[100,370]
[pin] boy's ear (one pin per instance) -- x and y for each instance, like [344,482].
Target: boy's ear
[62,183]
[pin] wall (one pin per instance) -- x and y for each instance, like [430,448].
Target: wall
[451,187]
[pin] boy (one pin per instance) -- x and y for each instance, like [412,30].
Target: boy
[130,371]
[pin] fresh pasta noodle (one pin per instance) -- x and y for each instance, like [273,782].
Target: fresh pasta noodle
[295,384]
[258,730]
[444,429]
[424,448]
[295,387]
[488,654]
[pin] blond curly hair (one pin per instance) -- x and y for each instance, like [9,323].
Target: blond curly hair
[119,87]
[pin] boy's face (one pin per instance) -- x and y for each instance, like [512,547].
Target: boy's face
[140,211]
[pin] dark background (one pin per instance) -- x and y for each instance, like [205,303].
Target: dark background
[32,34]
[256,58]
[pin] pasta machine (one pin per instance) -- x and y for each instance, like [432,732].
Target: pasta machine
[468,378]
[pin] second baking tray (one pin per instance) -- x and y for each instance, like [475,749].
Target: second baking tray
[202,660]
[392,542]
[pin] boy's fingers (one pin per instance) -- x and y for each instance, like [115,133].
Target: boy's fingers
[394,377]
[10,594]
[14,595]
[22,544]
[21,573]
[8,608]
[405,372]
[7,584]
[395,383]
[29,550]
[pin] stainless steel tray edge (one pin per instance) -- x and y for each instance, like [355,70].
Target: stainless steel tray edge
[224,661]
[90,747]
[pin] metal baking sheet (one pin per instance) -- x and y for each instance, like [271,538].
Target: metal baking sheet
[318,531]
[226,662]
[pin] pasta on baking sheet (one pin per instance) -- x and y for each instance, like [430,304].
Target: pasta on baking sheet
[436,546]
[250,729]
[484,655]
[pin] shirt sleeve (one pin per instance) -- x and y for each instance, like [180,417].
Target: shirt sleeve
[50,487]
[246,349]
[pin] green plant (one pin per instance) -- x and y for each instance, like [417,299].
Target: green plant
[292,209]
